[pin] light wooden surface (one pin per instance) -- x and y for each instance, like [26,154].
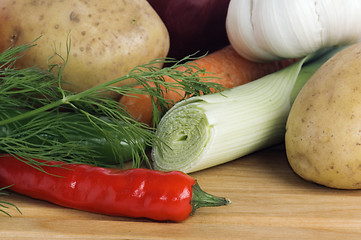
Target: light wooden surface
[268,202]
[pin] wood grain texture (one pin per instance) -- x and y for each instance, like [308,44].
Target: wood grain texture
[268,202]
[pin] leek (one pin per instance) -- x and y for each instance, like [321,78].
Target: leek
[209,130]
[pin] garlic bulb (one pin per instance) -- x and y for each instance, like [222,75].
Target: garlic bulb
[267,30]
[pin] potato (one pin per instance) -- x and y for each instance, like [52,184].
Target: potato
[323,132]
[108,37]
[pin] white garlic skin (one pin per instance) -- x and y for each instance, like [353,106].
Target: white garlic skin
[268,30]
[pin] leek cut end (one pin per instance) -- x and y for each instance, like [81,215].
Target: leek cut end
[183,134]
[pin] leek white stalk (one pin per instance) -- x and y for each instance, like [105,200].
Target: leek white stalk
[263,30]
[208,130]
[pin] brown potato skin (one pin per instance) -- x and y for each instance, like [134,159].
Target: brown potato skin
[108,37]
[323,132]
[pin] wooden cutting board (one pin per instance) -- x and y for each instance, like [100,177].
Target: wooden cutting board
[268,202]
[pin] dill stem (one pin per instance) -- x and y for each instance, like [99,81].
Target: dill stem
[32,112]
[65,100]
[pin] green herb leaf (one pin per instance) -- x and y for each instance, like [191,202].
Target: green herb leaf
[34,105]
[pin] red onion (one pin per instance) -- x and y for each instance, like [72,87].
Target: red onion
[193,25]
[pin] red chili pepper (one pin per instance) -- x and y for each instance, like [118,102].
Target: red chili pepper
[134,192]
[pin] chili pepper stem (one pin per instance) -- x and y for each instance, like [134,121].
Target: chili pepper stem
[202,199]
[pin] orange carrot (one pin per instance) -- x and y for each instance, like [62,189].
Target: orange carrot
[225,67]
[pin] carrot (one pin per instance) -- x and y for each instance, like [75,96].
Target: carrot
[225,67]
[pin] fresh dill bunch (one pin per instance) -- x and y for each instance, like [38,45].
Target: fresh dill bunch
[40,102]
